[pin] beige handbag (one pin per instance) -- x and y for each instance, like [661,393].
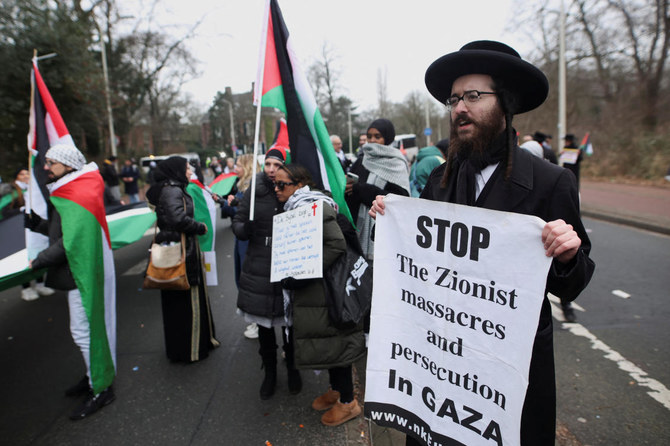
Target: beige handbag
[167,266]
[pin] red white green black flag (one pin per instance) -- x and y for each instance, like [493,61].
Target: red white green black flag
[284,86]
[78,199]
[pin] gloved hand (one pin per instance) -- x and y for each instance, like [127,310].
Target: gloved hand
[31,221]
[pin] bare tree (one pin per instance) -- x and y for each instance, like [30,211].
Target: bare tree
[622,43]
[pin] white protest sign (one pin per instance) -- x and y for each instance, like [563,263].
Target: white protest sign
[297,243]
[456,302]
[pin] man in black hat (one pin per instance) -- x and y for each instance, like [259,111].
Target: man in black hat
[547,151]
[571,155]
[484,85]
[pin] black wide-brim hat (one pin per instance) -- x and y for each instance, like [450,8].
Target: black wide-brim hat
[495,59]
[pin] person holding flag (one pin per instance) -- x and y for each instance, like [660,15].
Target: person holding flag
[80,261]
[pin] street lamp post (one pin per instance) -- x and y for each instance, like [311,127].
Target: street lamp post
[110,118]
[232,124]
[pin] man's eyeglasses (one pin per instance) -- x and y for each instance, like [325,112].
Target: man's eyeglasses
[281,185]
[50,163]
[469,97]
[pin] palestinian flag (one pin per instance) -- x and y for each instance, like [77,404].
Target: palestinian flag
[204,210]
[78,199]
[125,227]
[586,144]
[223,184]
[284,86]
[129,225]
[47,128]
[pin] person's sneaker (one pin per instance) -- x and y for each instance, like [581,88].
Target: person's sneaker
[78,389]
[92,403]
[251,332]
[341,413]
[326,401]
[29,294]
[44,290]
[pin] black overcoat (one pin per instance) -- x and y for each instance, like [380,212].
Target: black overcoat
[536,187]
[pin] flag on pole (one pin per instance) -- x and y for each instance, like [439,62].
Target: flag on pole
[586,144]
[47,128]
[223,184]
[78,199]
[204,210]
[284,86]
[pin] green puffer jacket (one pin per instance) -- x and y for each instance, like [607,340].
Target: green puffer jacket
[318,344]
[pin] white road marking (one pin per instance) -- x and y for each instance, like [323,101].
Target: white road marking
[139,268]
[658,391]
[555,300]
[621,294]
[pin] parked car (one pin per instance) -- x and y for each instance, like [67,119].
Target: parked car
[408,143]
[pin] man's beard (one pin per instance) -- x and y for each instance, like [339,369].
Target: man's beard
[477,146]
[51,178]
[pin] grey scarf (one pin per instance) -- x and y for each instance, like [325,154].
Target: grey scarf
[387,163]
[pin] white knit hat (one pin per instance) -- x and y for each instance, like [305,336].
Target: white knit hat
[533,147]
[66,154]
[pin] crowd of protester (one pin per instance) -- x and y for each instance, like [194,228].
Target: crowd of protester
[293,309]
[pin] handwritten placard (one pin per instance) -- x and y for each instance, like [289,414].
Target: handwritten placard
[297,243]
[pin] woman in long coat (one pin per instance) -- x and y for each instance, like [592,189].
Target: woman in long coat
[318,343]
[187,316]
[258,299]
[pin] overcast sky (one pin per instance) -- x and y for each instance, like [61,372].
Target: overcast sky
[401,38]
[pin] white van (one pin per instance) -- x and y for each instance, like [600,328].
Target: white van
[407,142]
[146,160]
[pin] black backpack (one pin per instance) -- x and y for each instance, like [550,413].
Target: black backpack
[348,281]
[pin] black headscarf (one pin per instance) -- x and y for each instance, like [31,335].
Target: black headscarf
[172,169]
[386,128]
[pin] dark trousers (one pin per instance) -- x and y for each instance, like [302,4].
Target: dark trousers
[342,380]
[268,344]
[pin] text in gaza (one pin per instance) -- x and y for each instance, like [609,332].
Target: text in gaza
[446,408]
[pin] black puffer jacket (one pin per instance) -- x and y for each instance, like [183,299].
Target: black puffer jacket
[256,294]
[173,219]
[53,257]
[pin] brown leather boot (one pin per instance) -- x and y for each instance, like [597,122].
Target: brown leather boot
[340,413]
[326,401]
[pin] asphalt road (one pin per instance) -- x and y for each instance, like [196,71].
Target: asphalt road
[612,365]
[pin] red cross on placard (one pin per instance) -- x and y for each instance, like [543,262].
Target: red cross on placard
[314,206]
